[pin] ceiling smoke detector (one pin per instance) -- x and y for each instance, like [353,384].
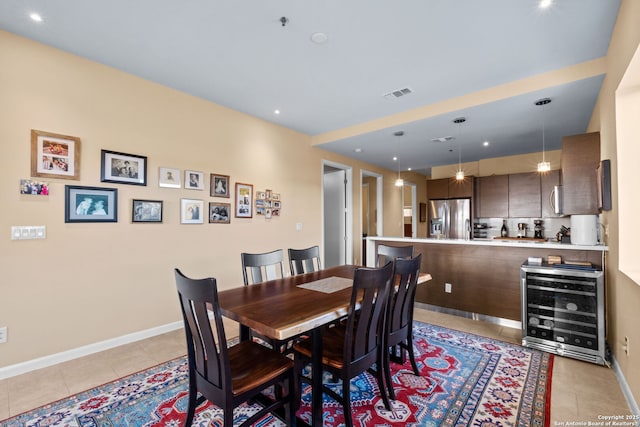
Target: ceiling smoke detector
[397,93]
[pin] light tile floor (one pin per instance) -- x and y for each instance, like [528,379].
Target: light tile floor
[581,391]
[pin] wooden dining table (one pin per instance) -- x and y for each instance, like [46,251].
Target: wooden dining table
[283,309]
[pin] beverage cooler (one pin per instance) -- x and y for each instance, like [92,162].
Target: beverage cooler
[563,311]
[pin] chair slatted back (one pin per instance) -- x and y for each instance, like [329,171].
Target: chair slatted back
[402,297]
[385,254]
[304,260]
[364,327]
[209,360]
[262,267]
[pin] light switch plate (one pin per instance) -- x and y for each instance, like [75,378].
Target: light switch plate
[28,232]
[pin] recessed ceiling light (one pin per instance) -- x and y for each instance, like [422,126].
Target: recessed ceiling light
[358,150]
[319,38]
[395,158]
[545,4]
[35,17]
[276,111]
[486,143]
[408,169]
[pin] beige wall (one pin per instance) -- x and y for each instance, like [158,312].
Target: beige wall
[86,283]
[623,295]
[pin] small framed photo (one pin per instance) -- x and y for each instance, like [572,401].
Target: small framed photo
[261,195]
[219,213]
[123,168]
[244,200]
[193,180]
[90,204]
[169,177]
[275,196]
[146,211]
[191,211]
[35,188]
[54,155]
[219,186]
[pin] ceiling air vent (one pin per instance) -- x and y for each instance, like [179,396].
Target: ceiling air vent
[398,93]
[442,139]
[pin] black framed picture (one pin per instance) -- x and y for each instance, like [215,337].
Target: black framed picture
[90,204]
[123,168]
[146,211]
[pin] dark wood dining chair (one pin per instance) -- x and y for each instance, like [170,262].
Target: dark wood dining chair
[399,322]
[385,253]
[258,268]
[353,347]
[304,260]
[228,376]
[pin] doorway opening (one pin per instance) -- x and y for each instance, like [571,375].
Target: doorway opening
[337,200]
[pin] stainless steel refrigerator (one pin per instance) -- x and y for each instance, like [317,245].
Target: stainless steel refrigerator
[450,219]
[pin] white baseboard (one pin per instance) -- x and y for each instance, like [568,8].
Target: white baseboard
[631,401]
[53,359]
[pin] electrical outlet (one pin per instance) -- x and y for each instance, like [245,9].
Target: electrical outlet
[447,288]
[626,345]
[3,334]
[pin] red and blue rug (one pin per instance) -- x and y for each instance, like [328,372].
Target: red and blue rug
[465,380]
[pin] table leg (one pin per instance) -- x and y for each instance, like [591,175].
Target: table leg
[316,377]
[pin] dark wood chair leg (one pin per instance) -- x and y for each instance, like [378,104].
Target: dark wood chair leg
[346,402]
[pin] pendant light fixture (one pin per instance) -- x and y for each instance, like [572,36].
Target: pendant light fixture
[459,172]
[399,181]
[543,166]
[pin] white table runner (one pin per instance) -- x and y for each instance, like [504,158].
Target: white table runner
[328,285]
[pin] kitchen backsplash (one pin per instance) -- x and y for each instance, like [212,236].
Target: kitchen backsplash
[551,226]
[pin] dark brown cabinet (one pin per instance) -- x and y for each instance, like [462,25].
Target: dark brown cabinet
[580,161]
[524,195]
[548,181]
[493,196]
[438,188]
[449,188]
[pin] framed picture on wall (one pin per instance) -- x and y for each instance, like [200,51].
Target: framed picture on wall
[90,204]
[244,200]
[54,155]
[123,168]
[219,186]
[169,178]
[219,213]
[193,180]
[146,211]
[191,211]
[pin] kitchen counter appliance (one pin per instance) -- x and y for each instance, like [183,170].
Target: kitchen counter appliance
[450,218]
[563,310]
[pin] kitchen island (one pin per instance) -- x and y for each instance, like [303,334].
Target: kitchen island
[484,273]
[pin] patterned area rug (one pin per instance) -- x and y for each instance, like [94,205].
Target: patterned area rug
[465,380]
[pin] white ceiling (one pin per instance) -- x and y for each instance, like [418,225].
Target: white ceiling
[238,54]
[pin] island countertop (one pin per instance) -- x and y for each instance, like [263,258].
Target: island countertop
[495,242]
[481,276]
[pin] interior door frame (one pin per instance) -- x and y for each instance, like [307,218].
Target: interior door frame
[379,201]
[414,207]
[348,207]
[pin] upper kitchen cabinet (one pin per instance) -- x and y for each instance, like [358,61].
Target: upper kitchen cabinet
[524,195]
[548,182]
[461,189]
[580,161]
[449,188]
[493,196]
[438,188]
